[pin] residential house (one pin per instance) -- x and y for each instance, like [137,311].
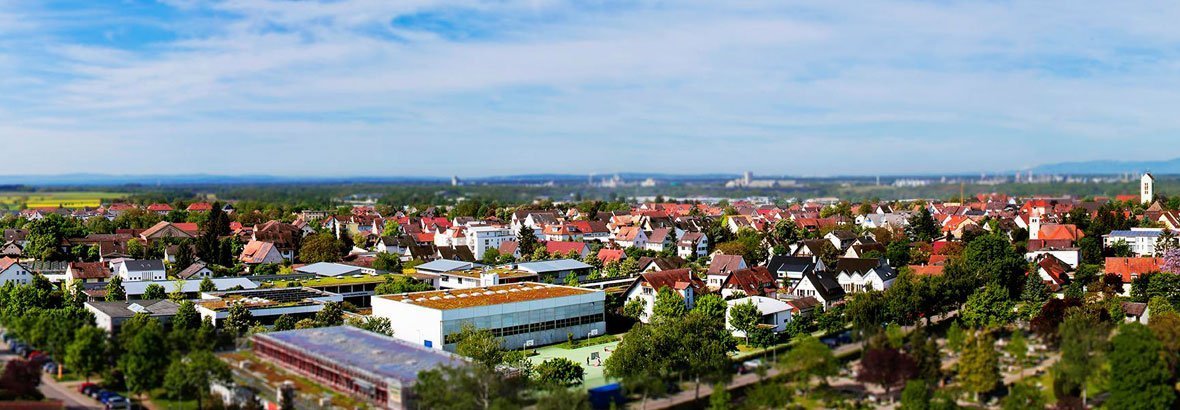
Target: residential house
[790,269]
[756,281]
[481,238]
[631,236]
[561,232]
[841,238]
[11,249]
[821,285]
[861,275]
[650,264]
[284,237]
[110,316]
[692,245]
[198,270]
[775,314]
[139,270]
[556,270]
[1142,241]
[1053,272]
[593,230]
[720,268]
[87,272]
[659,239]
[199,207]
[609,256]
[1128,269]
[259,252]
[12,271]
[162,209]
[647,285]
[165,229]
[565,248]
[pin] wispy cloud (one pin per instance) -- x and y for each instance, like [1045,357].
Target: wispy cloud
[434,87]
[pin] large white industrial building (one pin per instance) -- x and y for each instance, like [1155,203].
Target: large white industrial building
[524,315]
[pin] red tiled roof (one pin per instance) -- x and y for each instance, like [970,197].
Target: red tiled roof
[199,207]
[159,207]
[564,247]
[1060,232]
[610,255]
[725,263]
[927,270]
[756,281]
[1056,269]
[1129,268]
[669,278]
[89,270]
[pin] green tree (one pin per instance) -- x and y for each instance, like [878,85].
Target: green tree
[745,318]
[922,226]
[561,398]
[1034,295]
[1022,396]
[916,395]
[668,305]
[400,284]
[635,308]
[1083,345]
[490,257]
[332,314]
[284,322]
[86,354]
[810,358]
[466,388]
[527,240]
[560,372]
[320,248]
[720,399]
[115,291]
[992,259]
[207,285]
[191,375]
[898,253]
[987,307]
[77,295]
[153,292]
[373,324]
[239,320]
[978,367]
[480,345]
[387,262]
[1143,380]
[711,305]
[145,358]
[186,317]
[1018,348]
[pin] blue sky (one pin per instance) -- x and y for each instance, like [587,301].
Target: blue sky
[475,88]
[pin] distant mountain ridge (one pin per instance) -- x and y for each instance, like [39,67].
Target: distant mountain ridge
[1108,167]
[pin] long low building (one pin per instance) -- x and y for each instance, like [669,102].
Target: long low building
[265,305]
[365,365]
[522,314]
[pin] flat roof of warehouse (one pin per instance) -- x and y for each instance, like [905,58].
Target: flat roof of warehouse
[488,295]
[360,349]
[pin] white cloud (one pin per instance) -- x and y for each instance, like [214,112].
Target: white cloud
[657,86]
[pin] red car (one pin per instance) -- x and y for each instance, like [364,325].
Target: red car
[85,388]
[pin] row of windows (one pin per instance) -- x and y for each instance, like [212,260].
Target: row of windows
[537,327]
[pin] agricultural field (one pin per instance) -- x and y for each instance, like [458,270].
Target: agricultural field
[69,199]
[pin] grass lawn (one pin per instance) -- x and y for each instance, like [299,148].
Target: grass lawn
[343,280]
[594,377]
[157,397]
[590,342]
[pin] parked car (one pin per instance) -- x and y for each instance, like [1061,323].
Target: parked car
[113,398]
[117,402]
[98,393]
[85,388]
[49,367]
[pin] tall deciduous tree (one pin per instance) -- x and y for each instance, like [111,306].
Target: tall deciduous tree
[1143,381]
[923,227]
[86,354]
[711,305]
[153,292]
[1083,346]
[560,372]
[886,367]
[115,291]
[744,317]
[979,365]
[145,359]
[810,358]
[668,305]
[320,248]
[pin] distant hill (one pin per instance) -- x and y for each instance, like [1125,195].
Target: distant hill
[1171,166]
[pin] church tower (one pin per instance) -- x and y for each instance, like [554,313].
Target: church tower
[1147,188]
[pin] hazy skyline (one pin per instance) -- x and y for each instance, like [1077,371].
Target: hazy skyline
[436,88]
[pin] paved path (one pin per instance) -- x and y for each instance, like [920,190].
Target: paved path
[739,381]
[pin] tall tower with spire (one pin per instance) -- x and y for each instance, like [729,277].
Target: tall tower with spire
[1147,188]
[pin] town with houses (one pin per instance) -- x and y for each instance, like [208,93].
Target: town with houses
[986,300]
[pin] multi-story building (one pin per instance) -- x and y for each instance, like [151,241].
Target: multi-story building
[481,238]
[1142,241]
[522,315]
